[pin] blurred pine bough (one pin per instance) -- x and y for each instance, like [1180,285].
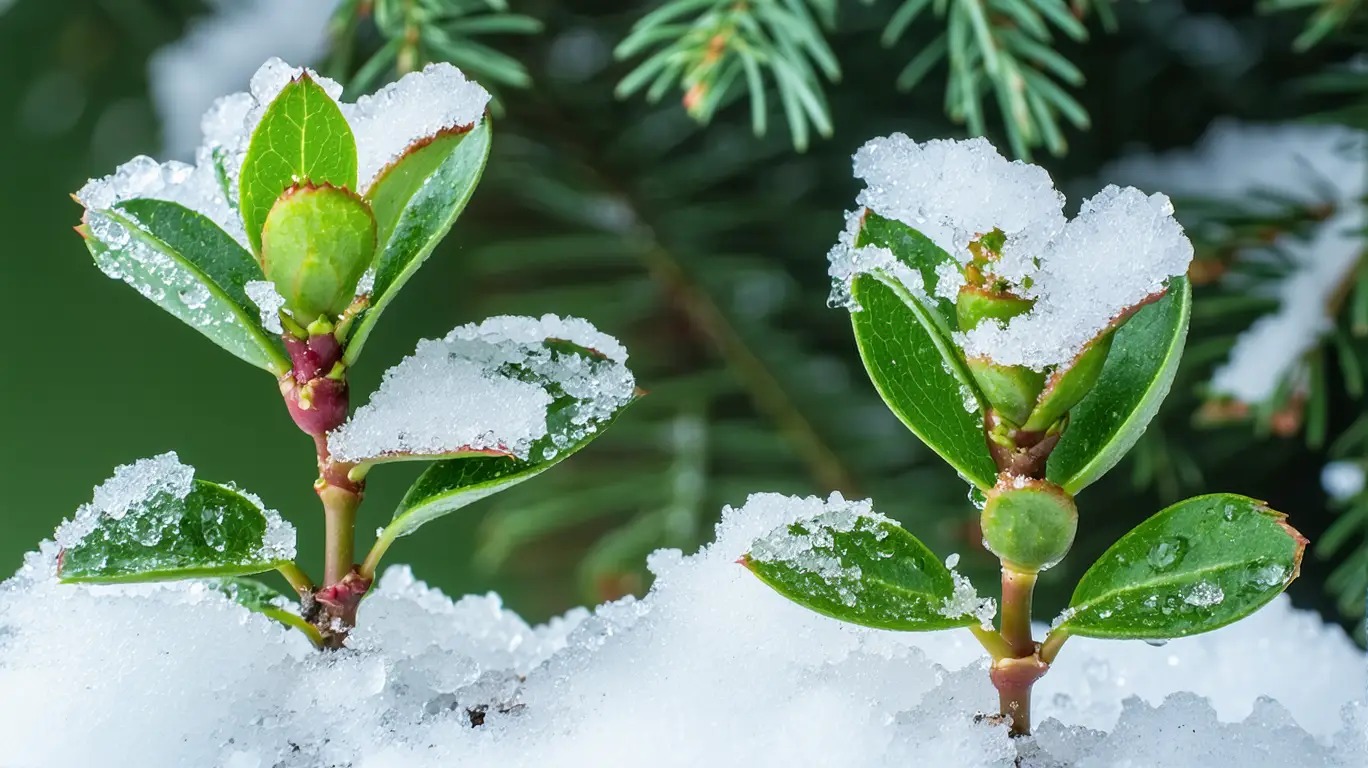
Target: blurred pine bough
[646,177]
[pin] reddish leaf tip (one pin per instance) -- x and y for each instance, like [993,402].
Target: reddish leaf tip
[1301,543]
[455,130]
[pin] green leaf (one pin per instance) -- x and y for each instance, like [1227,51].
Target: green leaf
[1199,565]
[315,245]
[303,137]
[450,485]
[909,368]
[416,200]
[1066,387]
[867,571]
[212,531]
[1136,378]
[188,266]
[259,598]
[918,252]
[250,593]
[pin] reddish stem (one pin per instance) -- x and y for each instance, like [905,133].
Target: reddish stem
[1014,676]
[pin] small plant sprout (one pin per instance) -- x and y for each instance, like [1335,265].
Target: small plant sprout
[1029,351]
[301,220]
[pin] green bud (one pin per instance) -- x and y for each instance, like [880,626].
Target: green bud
[315,245]
[1012,390]
[1067,386]
[1029,524]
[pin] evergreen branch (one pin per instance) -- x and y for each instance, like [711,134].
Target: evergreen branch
[419,32]
[1001,49]
[728,40]
[1327,16]
[1347,537]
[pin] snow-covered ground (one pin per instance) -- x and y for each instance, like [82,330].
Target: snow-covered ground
[711,668]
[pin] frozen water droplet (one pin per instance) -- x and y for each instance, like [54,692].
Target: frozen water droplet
[194,296]
[952,560]
[1168,553]
[977,497]
[1157,642]
[1204,595]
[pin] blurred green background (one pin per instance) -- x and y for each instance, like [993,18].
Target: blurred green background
[727,230]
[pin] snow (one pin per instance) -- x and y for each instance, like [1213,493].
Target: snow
[129,491]
[1303,163]
[487,387]
[221,50]
[269,302]
[404,112]
[1342,480]
[1083,274]
[134,498]
[711,668]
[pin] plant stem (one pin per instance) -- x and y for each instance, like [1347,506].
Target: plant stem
[339,509]
[1017,590]
[340,496]
[297,578]
[1014,676]
[377,551]
[992,642]
[1050,648]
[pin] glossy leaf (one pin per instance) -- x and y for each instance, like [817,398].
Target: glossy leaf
[1194,567]
[448,486]
[869,572]
[581,390]
[260,598]
[416,201]
[212,531]
[918,252]
[912,370]
[1064,389]
[188,266]
[302,137]
[316,244]
[1136,378]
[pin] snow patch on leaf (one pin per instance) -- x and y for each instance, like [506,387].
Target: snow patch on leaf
[488,387]
[1083,274]
[384,124]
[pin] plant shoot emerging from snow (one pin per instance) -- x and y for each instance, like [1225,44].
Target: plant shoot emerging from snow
[1030,352]
[300,222]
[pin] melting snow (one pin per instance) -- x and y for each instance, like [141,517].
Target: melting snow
[1083,274]
[711,668]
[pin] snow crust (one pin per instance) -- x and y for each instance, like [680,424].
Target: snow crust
[1083,274]
[415,107]
[711,668]
[488,387]
[1249,164]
